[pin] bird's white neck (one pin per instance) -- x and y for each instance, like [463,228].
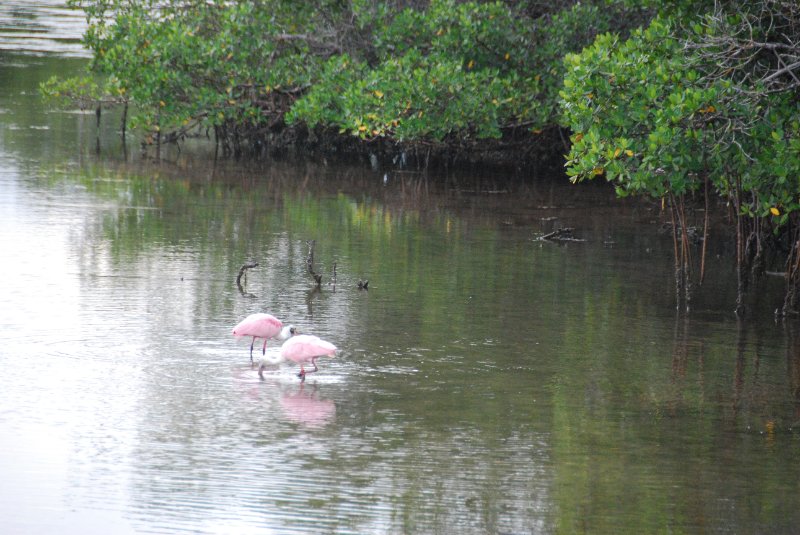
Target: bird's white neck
[273,357]
[286,333]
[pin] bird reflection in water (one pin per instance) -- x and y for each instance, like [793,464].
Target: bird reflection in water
[298,403]
[303,406]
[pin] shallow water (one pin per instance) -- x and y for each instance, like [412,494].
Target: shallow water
[488,382]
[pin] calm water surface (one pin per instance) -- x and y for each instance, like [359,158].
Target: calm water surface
[487,382]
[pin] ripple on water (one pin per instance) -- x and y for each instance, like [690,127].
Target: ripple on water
[42,27]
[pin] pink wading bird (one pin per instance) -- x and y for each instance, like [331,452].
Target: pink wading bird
[302,349]
[264,326]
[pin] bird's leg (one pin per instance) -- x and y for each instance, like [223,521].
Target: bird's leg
[251,349]
[261,370]
[264,349]
[314,362]
[302,374]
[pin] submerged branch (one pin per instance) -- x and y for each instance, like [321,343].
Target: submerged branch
[564,234]
[243,273]
[310,262]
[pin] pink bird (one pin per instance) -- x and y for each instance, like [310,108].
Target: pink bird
[302,349]
[264,326]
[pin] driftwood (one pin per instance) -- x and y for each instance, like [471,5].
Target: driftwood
[310,262]
[362,284]
[564,234]
[243,273]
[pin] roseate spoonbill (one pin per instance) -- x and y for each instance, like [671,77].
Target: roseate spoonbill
[264,326]
[302,349]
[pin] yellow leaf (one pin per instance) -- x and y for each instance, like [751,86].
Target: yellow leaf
[378,93]
[578,137]
[440,31]
[362,128]
[617,152]
[537,131]
[470,64]
[774,211]
[507,56]
[162,103]
[628,152]
[597,171]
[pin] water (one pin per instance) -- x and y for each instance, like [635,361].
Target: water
[41,27]
[488,382]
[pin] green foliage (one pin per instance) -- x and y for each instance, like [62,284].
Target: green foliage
[84,91]
[446,72]
[414,97]
[451,69]
[631,105]
[216,63]
[455,69]
[648,116]
[772,172]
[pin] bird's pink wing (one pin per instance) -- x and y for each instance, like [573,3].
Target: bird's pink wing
[260,325]
[305,346]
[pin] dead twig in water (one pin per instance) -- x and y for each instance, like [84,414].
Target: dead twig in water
[243,273]
[564,234]
[310,262]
